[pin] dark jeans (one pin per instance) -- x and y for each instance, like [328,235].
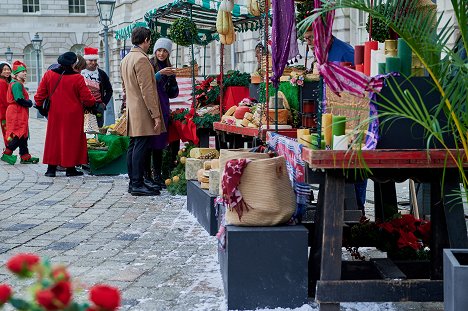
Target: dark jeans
[136,156]
[22,143]
[360,188]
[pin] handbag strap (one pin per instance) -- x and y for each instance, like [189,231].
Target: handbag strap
[56,84]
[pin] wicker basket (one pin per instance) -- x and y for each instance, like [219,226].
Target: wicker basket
[186,72]
[120,127]
[355,109]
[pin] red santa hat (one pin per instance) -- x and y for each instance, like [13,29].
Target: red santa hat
[90,53]
[18,66]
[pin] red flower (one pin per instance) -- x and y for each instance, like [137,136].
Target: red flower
[60,273]
[408,239]
[57,297]
[5,293]
[424,230]
[23,264]
[105,297]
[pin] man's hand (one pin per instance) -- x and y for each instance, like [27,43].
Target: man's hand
[157,125]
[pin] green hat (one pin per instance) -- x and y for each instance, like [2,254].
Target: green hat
[18,67]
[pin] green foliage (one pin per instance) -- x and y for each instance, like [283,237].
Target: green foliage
[304,9]
[180,187]
[204,121]
[183,31]
[236,78]
[380,30]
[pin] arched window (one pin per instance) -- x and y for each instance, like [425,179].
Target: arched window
[77,49]
[31,63]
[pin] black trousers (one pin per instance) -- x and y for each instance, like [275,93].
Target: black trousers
[136,156]
[22,143]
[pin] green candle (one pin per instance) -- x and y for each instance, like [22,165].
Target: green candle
[405,55]
[382,67]
[338,125]
[393,64]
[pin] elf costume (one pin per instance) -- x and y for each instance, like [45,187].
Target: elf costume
[17,116]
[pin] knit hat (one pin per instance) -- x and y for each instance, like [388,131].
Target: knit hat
[90,53]
[67,59]
[18,67]
[163,43]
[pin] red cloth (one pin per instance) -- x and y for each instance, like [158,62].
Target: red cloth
[231,179]
[17,116]
[3,107]
[184,130]
[234,95]
[65,142]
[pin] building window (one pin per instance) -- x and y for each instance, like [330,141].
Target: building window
[362,34]
[30,61]
[77,49]
[30,6]
[76,6]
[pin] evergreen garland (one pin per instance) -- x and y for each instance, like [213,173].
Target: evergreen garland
[183,31]
[178,185]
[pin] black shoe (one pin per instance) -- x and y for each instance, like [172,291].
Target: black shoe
[70,172]
[130,187]
[51,171]
[151,184]
[144,191]
[160,182]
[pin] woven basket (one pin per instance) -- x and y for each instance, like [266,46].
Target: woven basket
[120,127]
[355,109]
[266,188]
[230,154]
[186,72]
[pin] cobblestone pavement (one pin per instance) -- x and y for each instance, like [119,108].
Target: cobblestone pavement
[149,247]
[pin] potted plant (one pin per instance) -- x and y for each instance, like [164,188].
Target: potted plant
[183,31]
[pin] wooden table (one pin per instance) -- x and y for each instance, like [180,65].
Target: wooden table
[447,217]
[236,136]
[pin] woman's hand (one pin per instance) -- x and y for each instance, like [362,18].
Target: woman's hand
[168,71]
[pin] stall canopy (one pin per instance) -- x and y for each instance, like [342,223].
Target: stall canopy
[202,12]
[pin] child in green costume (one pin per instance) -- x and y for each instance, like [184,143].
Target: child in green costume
[17,116]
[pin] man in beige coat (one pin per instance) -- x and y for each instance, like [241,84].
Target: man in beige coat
[144,116]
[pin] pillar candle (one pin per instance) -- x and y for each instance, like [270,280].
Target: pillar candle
[327,128]
[382,67]
[393,64]
[405,55]
[368,46]
[338,125]
[302,132]
[359,54]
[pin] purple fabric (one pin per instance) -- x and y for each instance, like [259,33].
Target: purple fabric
[283,37]
[161,141]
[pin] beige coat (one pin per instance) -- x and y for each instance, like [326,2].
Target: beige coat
[142,101]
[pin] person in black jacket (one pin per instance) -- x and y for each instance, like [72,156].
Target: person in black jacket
[98,83]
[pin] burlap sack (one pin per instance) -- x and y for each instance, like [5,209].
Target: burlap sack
[230,154]
[266,188]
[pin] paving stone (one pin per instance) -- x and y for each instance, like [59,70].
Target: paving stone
[20,227]
[62,246]
[74,225]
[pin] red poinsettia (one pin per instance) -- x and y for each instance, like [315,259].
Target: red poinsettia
[23,264]
[105,298]
[56,297]
[408,231]
[5,293]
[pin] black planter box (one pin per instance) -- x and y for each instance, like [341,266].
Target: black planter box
[265,267]
[403,133]
[201,205]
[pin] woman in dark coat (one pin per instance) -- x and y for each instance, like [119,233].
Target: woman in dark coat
[167,88]
[65,143]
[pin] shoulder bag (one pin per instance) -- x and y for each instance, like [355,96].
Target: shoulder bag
[46,104]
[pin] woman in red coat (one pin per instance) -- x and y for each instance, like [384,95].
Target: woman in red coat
[65,142]
[5,79]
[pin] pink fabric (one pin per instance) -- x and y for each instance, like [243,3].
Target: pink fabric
[230,183]
[338,78]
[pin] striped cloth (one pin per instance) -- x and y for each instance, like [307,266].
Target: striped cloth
[184,100]
[338,78]
[292,151]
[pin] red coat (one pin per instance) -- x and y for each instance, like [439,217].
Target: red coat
[65,142]
[3,106]
[17,116]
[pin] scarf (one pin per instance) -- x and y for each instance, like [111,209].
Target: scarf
[230,183]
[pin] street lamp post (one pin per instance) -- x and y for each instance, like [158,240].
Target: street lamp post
[37,44]
[9,55]
[106,10]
